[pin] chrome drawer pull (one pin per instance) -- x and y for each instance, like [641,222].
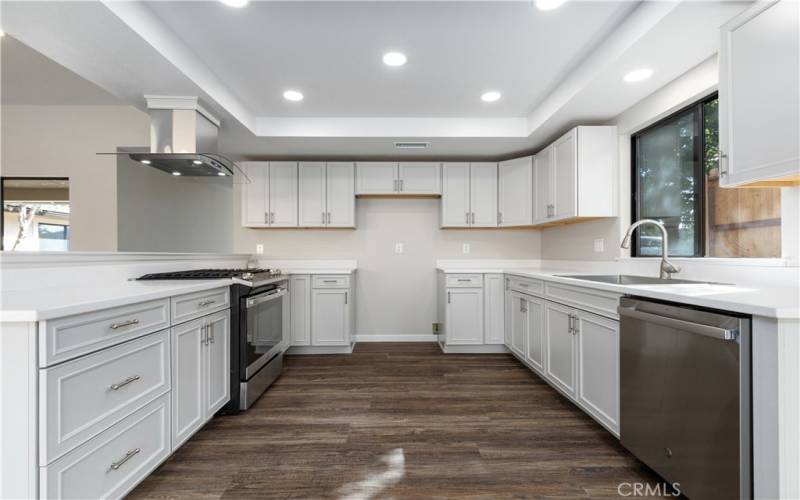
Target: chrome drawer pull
[116,465]
[120,385]
[206,303]
[464,279]
[115,326]
[330,281]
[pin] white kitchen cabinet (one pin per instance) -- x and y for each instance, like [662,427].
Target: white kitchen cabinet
[517,317]
[270,198]
[464,316]
[407,178]
[469,195]
[561,347]
[300,300]
[326,194]
[494,286]
[515,192]
[200,372]
[598,367]
[535,345]
[759,101]
[330,317]
[575,177]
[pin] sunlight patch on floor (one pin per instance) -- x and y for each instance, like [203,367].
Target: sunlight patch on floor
[372,484]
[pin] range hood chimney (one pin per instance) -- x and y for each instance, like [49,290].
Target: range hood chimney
[183,139]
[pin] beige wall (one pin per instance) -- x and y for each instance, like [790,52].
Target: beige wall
[63,141]
[395,292]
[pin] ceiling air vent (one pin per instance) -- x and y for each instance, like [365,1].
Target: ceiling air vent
[412,145]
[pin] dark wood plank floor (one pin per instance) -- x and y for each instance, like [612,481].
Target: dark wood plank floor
[401,421]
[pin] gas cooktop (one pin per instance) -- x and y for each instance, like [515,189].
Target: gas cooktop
[210,274]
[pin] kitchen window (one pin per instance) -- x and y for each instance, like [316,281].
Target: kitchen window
[36,213]
[675,179]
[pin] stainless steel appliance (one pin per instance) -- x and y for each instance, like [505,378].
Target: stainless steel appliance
[258,305]
[685,396]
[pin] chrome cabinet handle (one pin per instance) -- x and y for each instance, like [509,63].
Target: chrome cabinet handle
[323,217]
[345,297]
[120,385]
[499,218]
[116,465]
[466,217]
[272,217]
[401,184]
[473,217]
[116,326]
[448,297]
[266,217]
[329,217]
[329,281]
[467,280]
[210,333]
[522,307]
[204,339]
[394,188]
[204,303]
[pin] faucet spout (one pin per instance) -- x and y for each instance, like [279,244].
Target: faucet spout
[667,267]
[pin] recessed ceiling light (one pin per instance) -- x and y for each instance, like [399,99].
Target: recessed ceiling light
[235,3]
[638,75]
[292,95]
[197,162]
[221,174]
[549,4]
[394,59]
[146,162]
[490,96]
[176,173]
[2,33]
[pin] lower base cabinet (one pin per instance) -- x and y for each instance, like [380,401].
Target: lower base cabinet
[321,312]
[561,345]
[598,367]
[516,322]
[330,317]
[464,316]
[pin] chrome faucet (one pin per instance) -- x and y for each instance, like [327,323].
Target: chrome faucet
[667,267]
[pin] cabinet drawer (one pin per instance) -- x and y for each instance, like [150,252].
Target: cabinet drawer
[194,305]
[81,398]
[588,299]
[113,462]
[525,285]
[72,336]
[331,281]
[464,280]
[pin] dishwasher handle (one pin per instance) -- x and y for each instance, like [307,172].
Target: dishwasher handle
[687,326]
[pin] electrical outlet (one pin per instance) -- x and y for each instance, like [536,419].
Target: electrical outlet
[465,248]
[435,328]
[259,249]
[599,245]
[398,247]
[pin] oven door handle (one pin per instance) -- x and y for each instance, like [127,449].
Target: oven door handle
[265,297]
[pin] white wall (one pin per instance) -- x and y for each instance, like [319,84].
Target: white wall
[63,141]
[395,293]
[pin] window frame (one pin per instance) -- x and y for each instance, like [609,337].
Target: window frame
[698,107]
[3,180]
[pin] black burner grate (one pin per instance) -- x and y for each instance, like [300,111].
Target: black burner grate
[200,274]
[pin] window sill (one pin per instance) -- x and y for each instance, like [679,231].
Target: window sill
[722,261]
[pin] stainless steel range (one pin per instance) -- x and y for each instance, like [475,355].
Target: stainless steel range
[257,332]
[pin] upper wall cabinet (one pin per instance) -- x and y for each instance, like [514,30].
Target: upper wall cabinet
[575,177]
[327,194]
[759,101]
[412,178]
[270,199]
[515,193]
[469,195]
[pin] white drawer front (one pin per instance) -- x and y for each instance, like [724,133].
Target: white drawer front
[194,305]
[525,285]
[588,299]
[72,336]
[83,397]
[112,463]
[464,280]
[331,281]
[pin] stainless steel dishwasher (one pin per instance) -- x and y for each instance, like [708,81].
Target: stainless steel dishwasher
[685,396]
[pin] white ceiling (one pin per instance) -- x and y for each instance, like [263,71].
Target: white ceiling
[555,69]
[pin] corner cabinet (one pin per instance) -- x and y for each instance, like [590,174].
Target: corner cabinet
[270,198]
[326,194]
[405,178]
[515,192]
[575,177]
[759,101]
[469,195]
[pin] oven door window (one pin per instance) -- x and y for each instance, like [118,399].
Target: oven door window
[264,330]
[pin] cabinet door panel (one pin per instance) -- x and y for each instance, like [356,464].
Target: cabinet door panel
[565,171]
[483,194]
[598,367]
[330,322]
[283,193]
[188,395]
[455,195]
[254,194]
[376,177]
[420,178]
[464,316]
[494,311]
[560,363]
[341,194]
[534,351]
[300,299]
[218,358]
[311,202]
[543,184]
[516,192]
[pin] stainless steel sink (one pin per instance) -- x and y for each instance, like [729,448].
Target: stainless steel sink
[629,279]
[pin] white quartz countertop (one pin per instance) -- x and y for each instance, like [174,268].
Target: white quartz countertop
[46,303]
[780,303]
[314,270]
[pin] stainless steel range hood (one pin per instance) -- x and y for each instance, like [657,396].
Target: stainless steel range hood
[183,139]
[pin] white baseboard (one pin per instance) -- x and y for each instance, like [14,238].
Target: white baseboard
[396,338]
